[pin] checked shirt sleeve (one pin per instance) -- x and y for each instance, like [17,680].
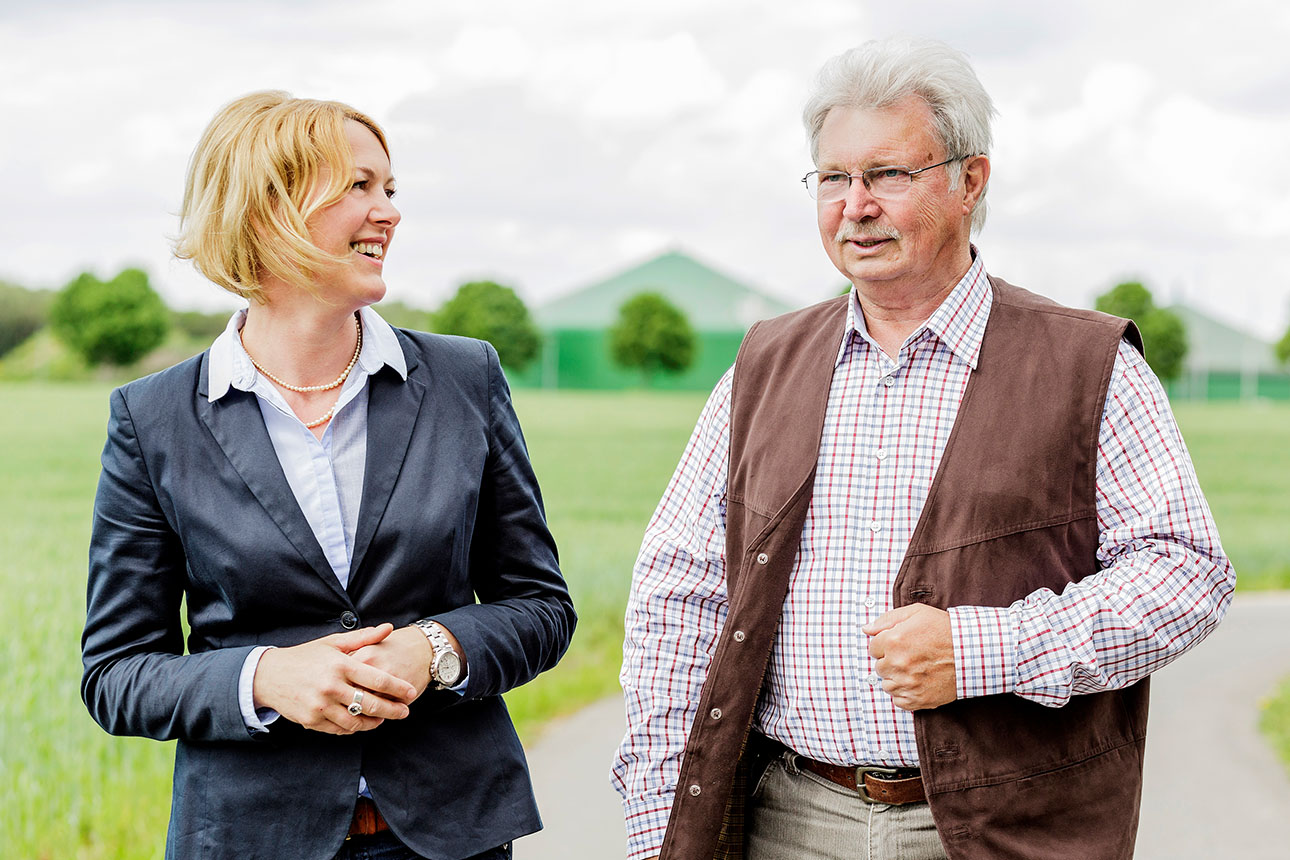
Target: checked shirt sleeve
[1165,582]
[674,613]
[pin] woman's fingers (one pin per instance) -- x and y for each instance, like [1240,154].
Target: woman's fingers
[314,684]
[352,640]
[382,683]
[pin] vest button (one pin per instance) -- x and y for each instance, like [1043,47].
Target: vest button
[715,713]
[348,620]
[739,636]
[762,558]
[695,791]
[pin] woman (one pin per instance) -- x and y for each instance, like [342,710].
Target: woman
[330,497]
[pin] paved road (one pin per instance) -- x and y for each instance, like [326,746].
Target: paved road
[1212,787]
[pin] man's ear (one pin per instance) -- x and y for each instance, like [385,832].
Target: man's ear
[976,173]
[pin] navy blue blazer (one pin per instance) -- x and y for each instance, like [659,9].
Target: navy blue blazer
[193,506]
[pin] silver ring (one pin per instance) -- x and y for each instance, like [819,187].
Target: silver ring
[356,707]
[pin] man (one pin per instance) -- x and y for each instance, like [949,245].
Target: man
[927,541]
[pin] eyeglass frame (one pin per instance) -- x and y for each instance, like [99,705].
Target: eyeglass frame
[863,175]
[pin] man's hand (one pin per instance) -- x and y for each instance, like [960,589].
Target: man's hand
[313,683]
[915,656]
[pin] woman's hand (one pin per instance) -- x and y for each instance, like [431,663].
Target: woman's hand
[406,654]
[314,683]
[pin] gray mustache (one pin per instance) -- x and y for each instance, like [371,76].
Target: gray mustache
[850,230]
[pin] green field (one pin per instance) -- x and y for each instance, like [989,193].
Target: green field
[603,460]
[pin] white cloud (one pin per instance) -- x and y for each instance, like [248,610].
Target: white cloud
[548,144]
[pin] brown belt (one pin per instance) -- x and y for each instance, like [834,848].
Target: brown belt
[896,786]
[367,821]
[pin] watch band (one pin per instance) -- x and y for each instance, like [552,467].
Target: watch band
[445,662]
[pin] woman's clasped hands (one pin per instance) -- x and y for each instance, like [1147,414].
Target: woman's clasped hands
[316,683]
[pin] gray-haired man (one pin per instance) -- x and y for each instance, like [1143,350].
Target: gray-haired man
[902,595]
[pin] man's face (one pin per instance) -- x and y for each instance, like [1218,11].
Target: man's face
[910,244]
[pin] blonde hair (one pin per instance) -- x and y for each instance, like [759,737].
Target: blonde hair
[264,165]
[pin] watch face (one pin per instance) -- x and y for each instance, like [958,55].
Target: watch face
[447,669]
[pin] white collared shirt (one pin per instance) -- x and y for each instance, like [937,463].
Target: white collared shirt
[325,475]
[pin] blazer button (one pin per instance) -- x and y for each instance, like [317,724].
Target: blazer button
[739,636]
[695,791]
[715,713]
[348,620]
[762,558]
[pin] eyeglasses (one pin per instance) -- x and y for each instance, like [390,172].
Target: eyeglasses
[885,183]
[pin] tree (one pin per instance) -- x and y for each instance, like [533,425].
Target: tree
[1162,330]
[652,335]
[492,312]
[22,313]
[1282,348]
[115,322]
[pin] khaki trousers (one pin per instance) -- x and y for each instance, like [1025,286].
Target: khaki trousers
[797,815]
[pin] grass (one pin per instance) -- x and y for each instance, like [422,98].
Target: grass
[1275,722]
[1242,457]
[603,460]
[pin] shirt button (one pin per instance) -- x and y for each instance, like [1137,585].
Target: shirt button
[715,713]
[881,454]
[888,381]
[739,636]
[348,620]
[762,558]
[875,526]
[870,602]
[695,791]
[873,679]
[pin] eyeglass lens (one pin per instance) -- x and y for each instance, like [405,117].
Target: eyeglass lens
[832,186]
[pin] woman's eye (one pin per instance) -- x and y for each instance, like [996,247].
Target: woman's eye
[390,192]
[360,184]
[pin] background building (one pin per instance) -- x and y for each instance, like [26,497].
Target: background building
[575,327]
[1225,363]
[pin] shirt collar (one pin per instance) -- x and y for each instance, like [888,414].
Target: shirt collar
[230,366]
[958,322]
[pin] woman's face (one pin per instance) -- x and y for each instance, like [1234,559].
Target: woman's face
[359,226]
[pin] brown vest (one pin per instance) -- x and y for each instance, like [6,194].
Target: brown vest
[1012,509]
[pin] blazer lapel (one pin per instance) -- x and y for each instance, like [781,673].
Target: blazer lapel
[392,408]
[238,427]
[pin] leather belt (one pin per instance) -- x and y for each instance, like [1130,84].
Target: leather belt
[367,820]
[892,785]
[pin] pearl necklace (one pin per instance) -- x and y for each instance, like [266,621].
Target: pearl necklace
[304,389]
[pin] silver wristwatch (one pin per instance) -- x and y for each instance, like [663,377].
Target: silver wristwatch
[445,664]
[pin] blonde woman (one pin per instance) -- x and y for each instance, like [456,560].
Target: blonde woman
[349,513]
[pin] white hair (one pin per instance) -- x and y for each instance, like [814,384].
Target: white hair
[878,74]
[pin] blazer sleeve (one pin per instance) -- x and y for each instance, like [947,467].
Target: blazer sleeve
[525,617]
[137,679]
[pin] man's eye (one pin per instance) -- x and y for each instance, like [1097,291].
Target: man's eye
[889,173]
[832,178]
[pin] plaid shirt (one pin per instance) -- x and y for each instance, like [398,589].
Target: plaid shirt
[1166,581]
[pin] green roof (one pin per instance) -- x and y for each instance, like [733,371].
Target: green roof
[1213,345]
[710,300]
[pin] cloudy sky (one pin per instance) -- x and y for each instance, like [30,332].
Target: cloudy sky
[549,144]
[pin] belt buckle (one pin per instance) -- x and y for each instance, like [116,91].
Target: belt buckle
[878,772]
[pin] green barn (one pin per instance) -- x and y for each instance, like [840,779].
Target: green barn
[575,327]
[1225,363]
